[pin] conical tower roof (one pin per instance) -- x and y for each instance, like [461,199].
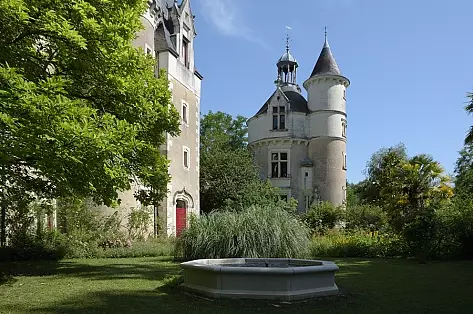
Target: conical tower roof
[326,64]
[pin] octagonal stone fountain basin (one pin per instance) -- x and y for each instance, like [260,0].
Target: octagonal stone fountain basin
[260,278]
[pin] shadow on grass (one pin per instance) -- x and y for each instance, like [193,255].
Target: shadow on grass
[107,271]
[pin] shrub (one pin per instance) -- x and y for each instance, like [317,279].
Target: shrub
[50,246]
[461,225]
[339,243]
[323,216]
[366,217]
[267,231]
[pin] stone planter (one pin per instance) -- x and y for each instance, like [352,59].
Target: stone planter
[260,278]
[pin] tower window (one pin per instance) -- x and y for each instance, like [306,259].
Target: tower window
[186,157]
[344,128]
[344,94]
[279,165]
[184,113]
[344,161]
[185,51]
[307,202]
[279,118]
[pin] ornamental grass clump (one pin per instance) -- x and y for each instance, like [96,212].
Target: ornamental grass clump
[268,231]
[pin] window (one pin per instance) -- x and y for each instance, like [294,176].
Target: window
[185,113]
[279,165]
[148,50]
[279,118]
[307,202]
[306,180]
[344,161]
[344,94]
[344,194]
[185,51]
[344,128]
[186,157]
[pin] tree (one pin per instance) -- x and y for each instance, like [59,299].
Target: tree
[380,173]
[229,178]
[469,109]
[219,129]
[464,172]
[81,111]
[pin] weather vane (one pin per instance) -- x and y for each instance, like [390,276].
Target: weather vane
[287,37]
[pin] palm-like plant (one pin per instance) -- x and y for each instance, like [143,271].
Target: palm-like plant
[469,109]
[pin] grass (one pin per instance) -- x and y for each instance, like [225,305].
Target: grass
[148,285]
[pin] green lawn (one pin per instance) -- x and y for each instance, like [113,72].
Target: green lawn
[146,285]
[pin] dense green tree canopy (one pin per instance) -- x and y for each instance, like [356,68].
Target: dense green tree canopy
[229,179]
[219,129]
[464,172]
[81,112]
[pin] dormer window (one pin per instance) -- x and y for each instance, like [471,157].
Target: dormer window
[185,52]
[279,117]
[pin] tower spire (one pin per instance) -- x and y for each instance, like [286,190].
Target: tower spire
[326,40]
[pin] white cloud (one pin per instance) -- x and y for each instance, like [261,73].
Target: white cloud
[226,17]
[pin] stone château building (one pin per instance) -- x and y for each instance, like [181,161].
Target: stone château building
[300,144]
[168,35]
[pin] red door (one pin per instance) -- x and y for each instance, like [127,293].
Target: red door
[181,221]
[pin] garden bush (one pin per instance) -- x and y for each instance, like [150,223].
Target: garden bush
[367,217]
[340,243]
[322,217]
[258,231]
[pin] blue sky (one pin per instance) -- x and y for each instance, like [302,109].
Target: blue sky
[409,62]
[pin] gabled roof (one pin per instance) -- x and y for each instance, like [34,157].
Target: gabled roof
[326,64]
[297,102]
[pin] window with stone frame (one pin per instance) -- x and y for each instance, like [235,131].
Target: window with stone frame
[185,113]
[344,161]
[307,202]
[185,52]
[344,128]
[279,117]
[279,164]
[186,157]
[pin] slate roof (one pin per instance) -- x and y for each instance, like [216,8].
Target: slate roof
[287,57]
[326,64]
[297,102]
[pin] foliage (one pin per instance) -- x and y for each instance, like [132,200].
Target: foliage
[464,172]
[257,231]
[81,110]
[458,222]
[138,221]
[323,216]
[220,130]
[469,109]
[230,178]
[365,217]
[338,243]
[380,174]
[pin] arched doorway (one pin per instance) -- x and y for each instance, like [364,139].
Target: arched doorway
[181,216]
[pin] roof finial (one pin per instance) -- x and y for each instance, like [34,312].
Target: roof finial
[326,41]
[287,38]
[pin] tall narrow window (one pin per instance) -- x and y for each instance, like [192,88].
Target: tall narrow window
[186,158]
[279,167]
[279,118]
[307,202]
[344,161]
[344,128]
[185,51]
[184,113]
